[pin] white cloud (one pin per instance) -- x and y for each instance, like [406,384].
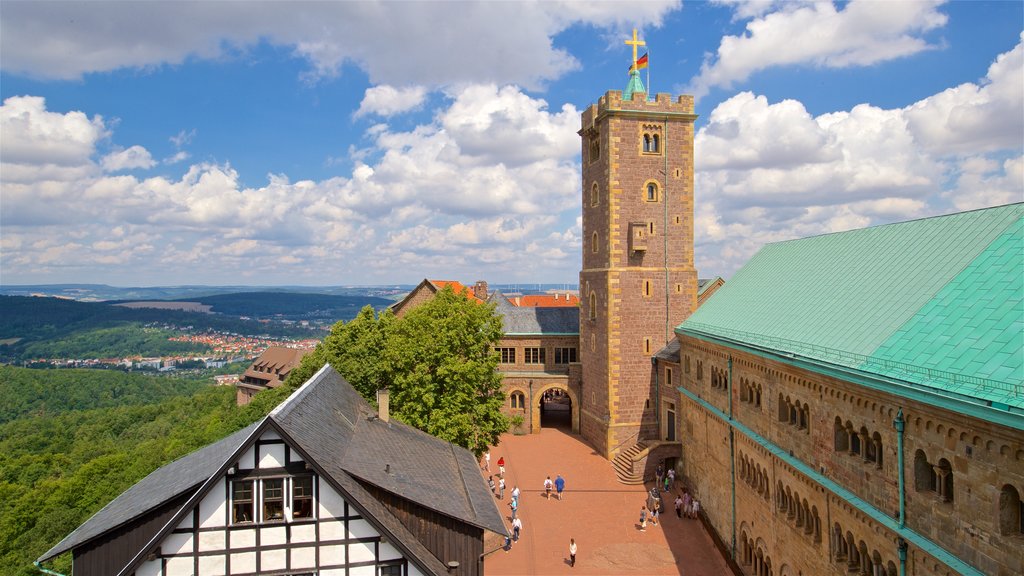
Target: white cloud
[179,156]
[769,172]
[862,33]
[128,159]
[421,197]
[33,135]
[975,117]
[388,100]
[396,43]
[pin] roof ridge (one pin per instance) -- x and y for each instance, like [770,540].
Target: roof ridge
[283,408]
[462,479]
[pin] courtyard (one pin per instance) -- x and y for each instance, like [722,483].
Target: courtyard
[599,512]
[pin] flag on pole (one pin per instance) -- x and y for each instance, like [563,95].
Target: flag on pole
[641,63]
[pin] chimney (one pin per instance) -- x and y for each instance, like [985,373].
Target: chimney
[480,290]
[382,404]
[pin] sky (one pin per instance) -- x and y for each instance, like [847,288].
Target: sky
[360,143]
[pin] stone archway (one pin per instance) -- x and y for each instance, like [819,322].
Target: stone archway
[538,399]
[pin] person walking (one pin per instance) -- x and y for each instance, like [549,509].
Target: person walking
[671,479]
[514,505]
[657,476]
[501,467]
[547,488]
[559,485]
[696,509]
[572,552]
[515,492]
[679,506]
[655,508]
[517,526]
[490,482]
[501,489]
[643,518]
[487,460]
[687,502]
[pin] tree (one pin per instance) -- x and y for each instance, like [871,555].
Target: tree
[438,362]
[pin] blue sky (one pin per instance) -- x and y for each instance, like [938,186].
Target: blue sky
[325,143]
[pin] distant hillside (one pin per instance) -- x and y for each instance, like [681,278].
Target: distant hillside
[28,392]
[29,323]
[103,292]
[289,305]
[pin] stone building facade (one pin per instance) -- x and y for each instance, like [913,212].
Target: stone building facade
[638,278]
[828,366]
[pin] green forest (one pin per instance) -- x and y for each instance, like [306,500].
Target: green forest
[72,440]
[59,328]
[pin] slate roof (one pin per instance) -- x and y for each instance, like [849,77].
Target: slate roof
[670,353]
[522,320]
[937,302]
[166,483]
[337,431]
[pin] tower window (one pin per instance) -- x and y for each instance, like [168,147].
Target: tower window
[593,306]
[651,141]
[651,192]
[593,243]
[647,345]
[647,287]
[678,220]
[650,226]
[594,198]
[595,149]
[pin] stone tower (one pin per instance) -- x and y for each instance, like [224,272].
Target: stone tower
[638,280]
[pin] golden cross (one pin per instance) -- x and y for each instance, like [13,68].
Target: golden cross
[635,43]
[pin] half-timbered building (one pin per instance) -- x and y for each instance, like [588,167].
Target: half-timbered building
[323,485]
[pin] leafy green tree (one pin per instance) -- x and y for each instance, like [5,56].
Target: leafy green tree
[438,362]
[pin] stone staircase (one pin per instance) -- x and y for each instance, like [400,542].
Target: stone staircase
[623,464]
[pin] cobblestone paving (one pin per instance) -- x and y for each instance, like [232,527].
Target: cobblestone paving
[601,514]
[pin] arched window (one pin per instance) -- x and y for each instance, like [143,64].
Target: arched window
[595,198]
[592,305]
[854,439]
[647,143]
[651,192]
[1010,519]
[655,143]
[924,475]
[842,441]
[518,400]
[944,480]
[783,409]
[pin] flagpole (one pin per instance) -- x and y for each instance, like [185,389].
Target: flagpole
[649,91]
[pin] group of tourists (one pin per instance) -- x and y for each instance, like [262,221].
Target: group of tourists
[686,505]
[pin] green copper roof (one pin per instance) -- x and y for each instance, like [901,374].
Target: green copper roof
[635,85]
[937,302]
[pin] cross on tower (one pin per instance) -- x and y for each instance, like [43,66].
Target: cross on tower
[635,44]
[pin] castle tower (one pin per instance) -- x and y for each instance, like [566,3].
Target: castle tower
[638,280]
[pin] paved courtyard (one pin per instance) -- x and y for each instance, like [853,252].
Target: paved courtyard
[601,514]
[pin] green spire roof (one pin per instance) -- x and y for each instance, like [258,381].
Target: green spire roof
[635,85]
[937,302]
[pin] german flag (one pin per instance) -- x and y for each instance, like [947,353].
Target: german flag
[641,63]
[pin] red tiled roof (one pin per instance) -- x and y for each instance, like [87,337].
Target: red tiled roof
[545,300]
[457,287]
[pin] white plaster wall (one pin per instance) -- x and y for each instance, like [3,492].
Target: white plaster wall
[244,562]
[414,571]
[248,460]
[360,552]
[177,544]
[304,533]
[270,435]
[331,503]
[213,508]
[212,565]
[212,541]
[242,538]
[272,536]
[303,557]
[181,566]
[389,552]
[271,456]
[360,529]
[363,571]
[273,560]
[150,568]
[332,530]
[332,554]
[335,572]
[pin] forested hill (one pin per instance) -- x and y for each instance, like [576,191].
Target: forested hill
[27,392]
[60,465]
[54,327]
[291,305]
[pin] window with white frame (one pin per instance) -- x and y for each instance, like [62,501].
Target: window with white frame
[278,499]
